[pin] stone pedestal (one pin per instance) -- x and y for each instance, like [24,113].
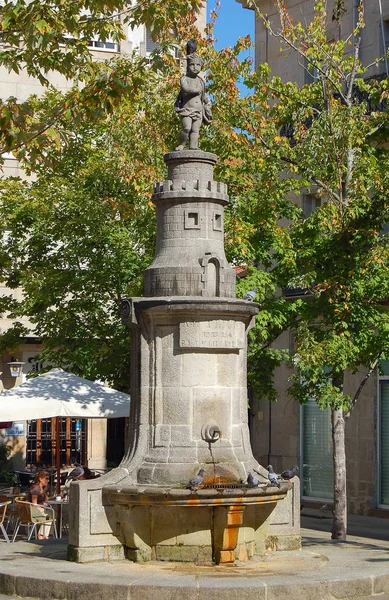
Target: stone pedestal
[189,359]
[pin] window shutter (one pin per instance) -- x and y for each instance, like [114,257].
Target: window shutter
[384,445]
[317,453]
[150,44]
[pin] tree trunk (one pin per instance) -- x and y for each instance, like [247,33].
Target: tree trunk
[339,525]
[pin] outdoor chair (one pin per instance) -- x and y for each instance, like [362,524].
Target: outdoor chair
[25,519]
[9,514]
[6,495]
[12,513]
[3,511]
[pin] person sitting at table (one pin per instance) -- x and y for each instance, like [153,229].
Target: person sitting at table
[38,496]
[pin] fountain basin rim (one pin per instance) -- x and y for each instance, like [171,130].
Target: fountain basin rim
[150,496]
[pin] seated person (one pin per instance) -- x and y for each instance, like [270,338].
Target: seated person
[37,495]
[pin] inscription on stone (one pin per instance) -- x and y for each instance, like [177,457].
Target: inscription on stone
[211,334]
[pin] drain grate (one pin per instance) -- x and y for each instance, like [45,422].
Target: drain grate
[224,486]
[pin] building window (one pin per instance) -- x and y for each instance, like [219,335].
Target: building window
[383,433]
[383,65]
[316,452]
[150,45]
[41,442]
[107,45]
[310,203]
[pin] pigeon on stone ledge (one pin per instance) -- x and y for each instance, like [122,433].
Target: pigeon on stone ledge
[196,481]
[273,477]
[252,480]
[290,473]
[250,295]
[75,474]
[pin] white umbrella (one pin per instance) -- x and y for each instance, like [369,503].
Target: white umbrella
[60,394]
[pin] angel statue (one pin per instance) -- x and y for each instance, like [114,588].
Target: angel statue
[192,104]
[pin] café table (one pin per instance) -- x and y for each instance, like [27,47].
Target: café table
[58,505]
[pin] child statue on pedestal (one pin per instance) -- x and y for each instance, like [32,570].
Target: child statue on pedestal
[192,104]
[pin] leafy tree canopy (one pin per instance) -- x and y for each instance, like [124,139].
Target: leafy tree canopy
[326,137]
[82,233]
[46,36]
[328,140]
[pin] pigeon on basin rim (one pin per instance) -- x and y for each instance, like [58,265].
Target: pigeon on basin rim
[273,477]
[252,480]
[196,481]
[290,473]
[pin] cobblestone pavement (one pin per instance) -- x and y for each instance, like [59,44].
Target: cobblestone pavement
[322,570]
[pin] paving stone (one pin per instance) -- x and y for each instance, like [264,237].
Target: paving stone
[354,588]
[321,571]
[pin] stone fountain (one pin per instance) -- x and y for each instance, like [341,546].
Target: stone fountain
[189,395]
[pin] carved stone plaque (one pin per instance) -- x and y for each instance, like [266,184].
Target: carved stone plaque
[217,333]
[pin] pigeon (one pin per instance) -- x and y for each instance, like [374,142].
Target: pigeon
[196,481]
[289,473]
[250,295]
[191,46]
[252,480]
[75,474]
[273,477]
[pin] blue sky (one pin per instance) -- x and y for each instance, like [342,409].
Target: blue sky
[233,22]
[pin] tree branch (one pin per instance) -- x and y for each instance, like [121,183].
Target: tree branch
[314,64]
[371,370]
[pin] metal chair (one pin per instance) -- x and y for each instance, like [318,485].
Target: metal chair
[25,519]
[12,513]
[3,510]
[9,514]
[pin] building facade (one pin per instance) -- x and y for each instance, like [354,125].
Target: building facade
[285,433]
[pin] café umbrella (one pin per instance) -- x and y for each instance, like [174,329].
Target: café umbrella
[61,394]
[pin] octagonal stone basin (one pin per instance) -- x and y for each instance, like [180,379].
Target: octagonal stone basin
[210,525]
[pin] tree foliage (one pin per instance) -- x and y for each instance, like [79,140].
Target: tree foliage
[82,233]
[43,37]
[327,139]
